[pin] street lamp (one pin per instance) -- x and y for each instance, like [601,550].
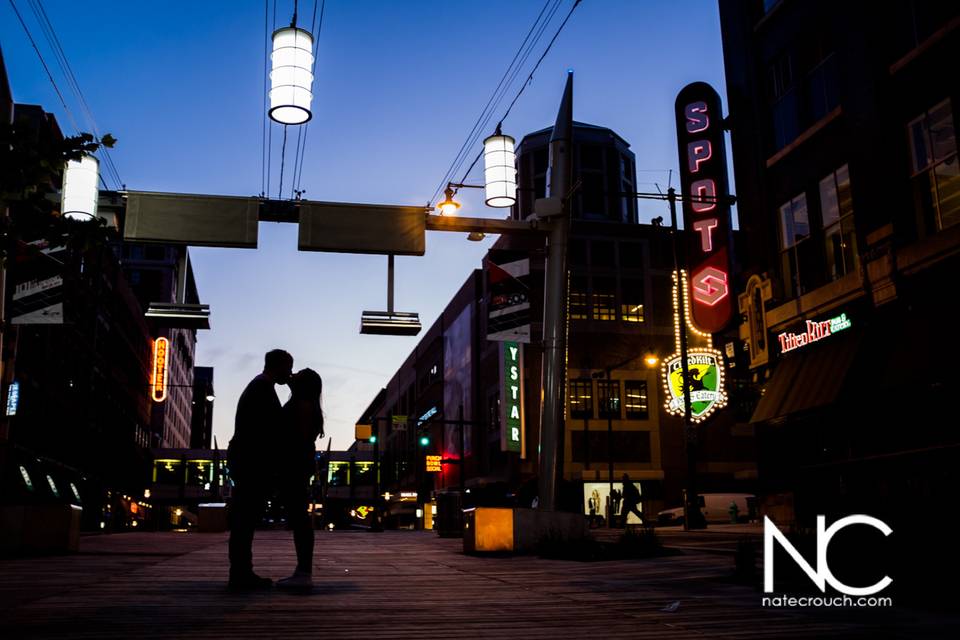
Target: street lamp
[651,360]
[291,75]
[500,171]
[448,205]
[80,188]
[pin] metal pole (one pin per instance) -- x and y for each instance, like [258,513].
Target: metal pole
[690,502]
[610,514]
[463,457]
[377,498]
[390,283]
[554,308]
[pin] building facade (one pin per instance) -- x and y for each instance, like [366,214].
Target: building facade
[201,418]
[844,125]
[162,273]
[621,324]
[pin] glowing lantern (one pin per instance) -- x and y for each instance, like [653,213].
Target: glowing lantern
[500,172]
[291,77]
[448,206]
[80,192]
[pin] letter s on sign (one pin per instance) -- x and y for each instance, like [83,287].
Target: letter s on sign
[697,118]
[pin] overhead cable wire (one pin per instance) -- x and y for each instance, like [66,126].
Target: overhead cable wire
[529,79]
[50,33]
[457,160]
[45,67]
[263,129]
[509,84]
[316,23]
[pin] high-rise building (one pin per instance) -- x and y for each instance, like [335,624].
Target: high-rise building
[163,273]
[201,422]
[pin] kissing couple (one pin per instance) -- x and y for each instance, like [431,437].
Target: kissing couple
[273,452]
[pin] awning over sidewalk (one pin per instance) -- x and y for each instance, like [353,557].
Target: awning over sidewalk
[809,378]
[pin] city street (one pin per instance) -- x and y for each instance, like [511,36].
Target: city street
[408,585]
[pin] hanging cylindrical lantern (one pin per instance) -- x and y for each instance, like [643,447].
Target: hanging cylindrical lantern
[500,170]
[291,76]
[80,194]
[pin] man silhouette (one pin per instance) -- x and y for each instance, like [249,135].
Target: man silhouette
[252,465]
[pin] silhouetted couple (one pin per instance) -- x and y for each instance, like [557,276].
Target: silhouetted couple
[272,452]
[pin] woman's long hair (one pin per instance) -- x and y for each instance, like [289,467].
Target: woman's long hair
[306,388]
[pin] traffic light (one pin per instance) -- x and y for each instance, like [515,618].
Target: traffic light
[424,440]
[372,439]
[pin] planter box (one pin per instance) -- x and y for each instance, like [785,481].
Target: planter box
[493,529]
[47,528]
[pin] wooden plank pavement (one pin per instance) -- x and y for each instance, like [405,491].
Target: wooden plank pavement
[402,585]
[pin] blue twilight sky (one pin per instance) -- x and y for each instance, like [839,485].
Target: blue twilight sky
[398,87]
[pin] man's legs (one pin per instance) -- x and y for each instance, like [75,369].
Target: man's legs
[246,510]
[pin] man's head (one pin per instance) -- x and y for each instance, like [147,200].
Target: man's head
[277,365]
[626,478]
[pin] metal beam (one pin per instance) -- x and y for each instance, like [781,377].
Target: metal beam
[485,225]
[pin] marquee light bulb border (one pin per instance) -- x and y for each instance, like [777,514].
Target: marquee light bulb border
[715,398]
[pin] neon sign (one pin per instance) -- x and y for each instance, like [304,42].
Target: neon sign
[511,406]
[158,383]
[813,332]
[434,464]
[703,174]
[705,366]
[13,398]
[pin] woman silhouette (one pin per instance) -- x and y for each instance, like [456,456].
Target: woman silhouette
[302,425]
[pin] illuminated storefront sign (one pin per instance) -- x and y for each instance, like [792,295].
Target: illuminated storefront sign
[13,398]
[434,464]
[703,174]
[813,332]
[158,385]
[704,363]
[511,395]
[706,383]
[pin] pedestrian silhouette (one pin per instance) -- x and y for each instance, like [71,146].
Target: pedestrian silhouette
[631,499]
[252,454]
[302,425]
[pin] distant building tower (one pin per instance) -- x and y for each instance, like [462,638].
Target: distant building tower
[201,422]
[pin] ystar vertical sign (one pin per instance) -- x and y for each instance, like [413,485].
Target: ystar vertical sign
[706,207]
[511,398]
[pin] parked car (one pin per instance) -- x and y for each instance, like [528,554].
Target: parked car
[716,508]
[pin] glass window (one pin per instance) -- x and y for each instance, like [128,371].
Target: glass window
[601,253]
[167,471]
[581,398]
[608,398]
[604,299]
[838,230]
[631,305]
[339,474]
[578,298]
[794,223]
[631,255]
[636,399]
[933,149]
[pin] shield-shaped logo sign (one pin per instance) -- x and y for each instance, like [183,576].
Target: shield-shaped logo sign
[705,385]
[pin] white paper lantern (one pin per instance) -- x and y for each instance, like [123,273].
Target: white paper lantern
[500,172]
[80,191]
[291,77]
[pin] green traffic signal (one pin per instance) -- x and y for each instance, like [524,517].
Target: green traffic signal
[373,439]
[424,440]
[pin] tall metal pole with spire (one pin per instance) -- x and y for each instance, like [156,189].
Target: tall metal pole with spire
[555,305]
